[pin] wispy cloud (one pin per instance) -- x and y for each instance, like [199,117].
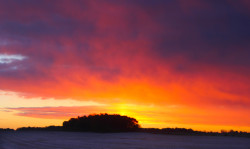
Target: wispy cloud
[57,112]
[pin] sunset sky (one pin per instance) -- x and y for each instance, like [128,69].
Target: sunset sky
[167,63]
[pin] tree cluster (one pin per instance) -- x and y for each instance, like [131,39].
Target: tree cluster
[102,123]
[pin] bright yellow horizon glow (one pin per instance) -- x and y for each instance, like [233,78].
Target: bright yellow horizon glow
[149,116]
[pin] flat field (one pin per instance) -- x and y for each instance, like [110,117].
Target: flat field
[79,140]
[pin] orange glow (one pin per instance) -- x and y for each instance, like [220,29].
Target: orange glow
[160,63]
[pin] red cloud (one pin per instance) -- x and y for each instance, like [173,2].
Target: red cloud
[128,52]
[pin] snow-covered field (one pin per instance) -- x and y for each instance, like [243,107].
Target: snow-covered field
[77,140]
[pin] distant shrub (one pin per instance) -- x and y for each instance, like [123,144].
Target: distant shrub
[102,123]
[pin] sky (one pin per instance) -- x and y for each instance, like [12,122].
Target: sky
[167,63]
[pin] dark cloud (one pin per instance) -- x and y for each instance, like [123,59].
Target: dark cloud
[216,35]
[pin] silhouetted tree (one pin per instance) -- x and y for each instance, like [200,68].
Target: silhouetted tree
[102,123]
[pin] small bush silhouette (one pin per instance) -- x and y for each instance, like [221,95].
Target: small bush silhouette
[102,123]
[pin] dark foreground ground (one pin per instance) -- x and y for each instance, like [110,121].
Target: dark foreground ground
[79,140]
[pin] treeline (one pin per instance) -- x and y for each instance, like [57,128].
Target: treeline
[166,131]
[118,123]
[6,129]
[93,123]
[191,132]
[48,128]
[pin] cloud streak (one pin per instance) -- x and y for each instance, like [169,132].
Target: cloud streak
[7,59]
